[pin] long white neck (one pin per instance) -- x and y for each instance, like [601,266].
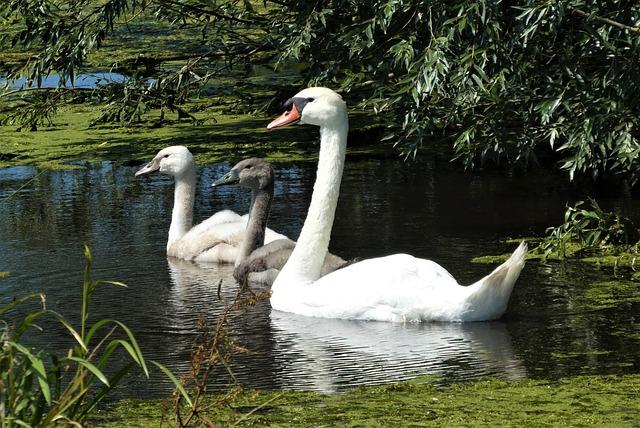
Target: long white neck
[306,260]
[183,200]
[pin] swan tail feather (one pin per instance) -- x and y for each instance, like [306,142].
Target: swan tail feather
[491,294]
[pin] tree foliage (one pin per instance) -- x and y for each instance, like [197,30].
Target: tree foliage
[590,227]
[502,80]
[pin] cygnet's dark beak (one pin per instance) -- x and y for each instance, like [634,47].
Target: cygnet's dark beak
[231,177]
[152,166]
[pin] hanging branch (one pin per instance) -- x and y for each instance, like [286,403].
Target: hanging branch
[606,20]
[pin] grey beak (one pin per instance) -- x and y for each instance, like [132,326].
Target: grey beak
[152,166]
[231,177]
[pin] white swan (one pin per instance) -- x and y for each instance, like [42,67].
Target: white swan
[396,288]
[257,262]
[217,238]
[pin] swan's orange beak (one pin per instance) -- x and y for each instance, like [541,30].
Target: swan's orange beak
[286,118]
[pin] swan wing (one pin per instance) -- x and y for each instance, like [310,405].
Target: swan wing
[395,288]
[270,259]
[199,242]
[204,242]
[223,241]
[224,216]
[270,235]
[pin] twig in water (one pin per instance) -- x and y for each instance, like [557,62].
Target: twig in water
[25,184]
[246,415]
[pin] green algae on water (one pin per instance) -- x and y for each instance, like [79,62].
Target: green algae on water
[576,401]
[609,294]
[619,258]
[216,137]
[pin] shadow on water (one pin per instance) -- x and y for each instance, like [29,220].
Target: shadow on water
[554,325]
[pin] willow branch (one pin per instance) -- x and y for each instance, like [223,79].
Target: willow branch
[606,20]
[42,89]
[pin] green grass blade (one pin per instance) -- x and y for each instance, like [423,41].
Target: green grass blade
[28,322]
[126,345]
[20,300]
[106,389]
[106,354]
[134,344]
[175,381]
[132,340]
[71,330]
[95,327]
[38,366]
[87,254]
[93,369]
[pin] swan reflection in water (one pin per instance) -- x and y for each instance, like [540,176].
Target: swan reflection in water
[298,352]
[330,354]
[195,286]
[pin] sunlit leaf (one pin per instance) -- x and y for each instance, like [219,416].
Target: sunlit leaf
[93,369]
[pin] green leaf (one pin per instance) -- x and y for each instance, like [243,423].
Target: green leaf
[478,81]
[175,381]
[93,369]
[87,254]
[20,300]
[127,346]
[38,367]
[115,379]
[132,340]
[28,322]
[71,330]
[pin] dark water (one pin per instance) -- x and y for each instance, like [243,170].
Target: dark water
[552,327]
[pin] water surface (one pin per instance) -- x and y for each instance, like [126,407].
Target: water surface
[81,81]
[551,328]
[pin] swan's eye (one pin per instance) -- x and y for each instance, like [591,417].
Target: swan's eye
[309,100]
[247,167]
[166,156]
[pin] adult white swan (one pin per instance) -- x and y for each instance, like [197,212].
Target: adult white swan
[397,288]
[217,238]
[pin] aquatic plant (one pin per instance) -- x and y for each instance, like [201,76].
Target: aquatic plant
[212,348]
[590,227]
[583,401]
[40,388]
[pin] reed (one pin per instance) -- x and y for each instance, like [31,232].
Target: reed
[40,388]
[213,348]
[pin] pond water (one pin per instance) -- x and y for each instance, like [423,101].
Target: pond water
[82,80]
[554,325]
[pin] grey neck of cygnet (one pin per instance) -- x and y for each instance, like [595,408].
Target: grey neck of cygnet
[257,223]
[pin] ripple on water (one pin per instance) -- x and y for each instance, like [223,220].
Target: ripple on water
[550,328]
